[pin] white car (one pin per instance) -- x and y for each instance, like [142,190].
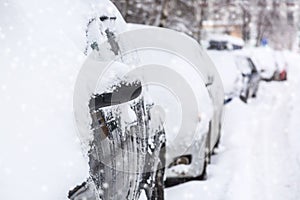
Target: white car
[264,60]
[238,73]
[224,42]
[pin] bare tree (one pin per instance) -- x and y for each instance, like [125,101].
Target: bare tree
[267,18]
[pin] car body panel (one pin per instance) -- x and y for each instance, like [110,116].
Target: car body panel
[213,82]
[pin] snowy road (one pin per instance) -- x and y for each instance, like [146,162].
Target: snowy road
[259,157]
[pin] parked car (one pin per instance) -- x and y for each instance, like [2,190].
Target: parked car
[264,60]
[190,165]
[238,73]
[225,42]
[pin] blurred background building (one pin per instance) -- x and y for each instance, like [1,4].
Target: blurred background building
[275,22]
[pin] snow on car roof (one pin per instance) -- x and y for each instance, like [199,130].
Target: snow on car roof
[227,38]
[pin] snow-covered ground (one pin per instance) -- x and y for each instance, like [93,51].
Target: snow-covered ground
[259,157]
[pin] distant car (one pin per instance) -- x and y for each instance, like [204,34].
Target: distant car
[281,66]
[225,42]
[264,60]
[238,73]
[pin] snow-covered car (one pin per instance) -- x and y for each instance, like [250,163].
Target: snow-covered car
[225,42]
[190,164]
[264,60]
[238,73]
[281,66]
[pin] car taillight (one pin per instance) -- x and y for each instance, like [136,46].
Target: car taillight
[283,75]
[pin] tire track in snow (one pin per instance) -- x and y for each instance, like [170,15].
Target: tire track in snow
[260,152]
[254,162]
[269,170]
